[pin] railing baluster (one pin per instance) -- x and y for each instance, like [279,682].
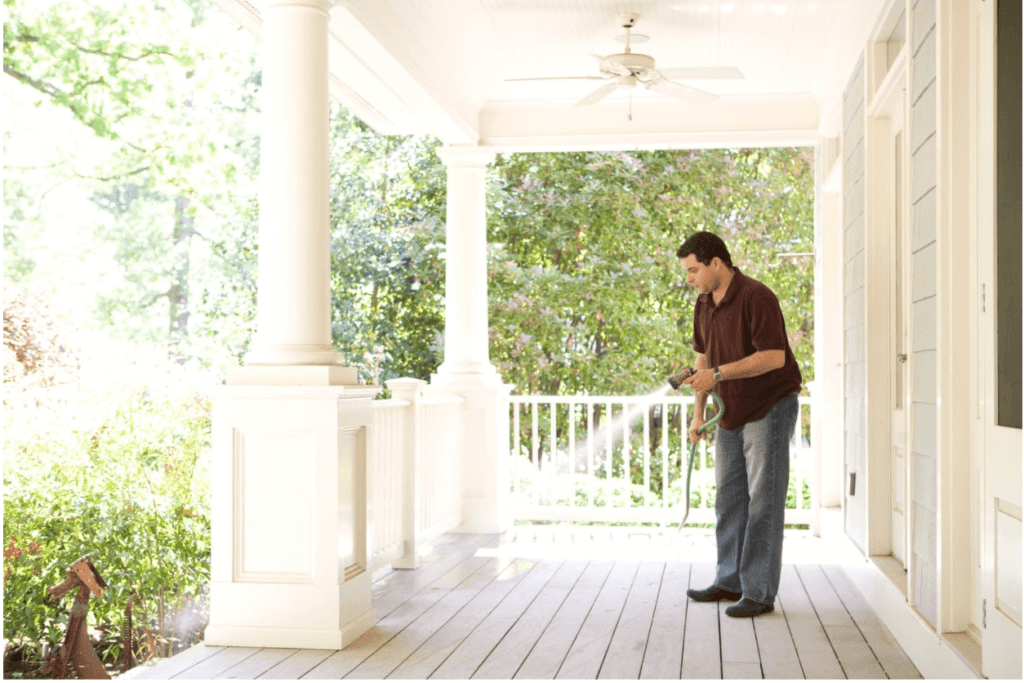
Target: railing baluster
[608,444]
[627,468]
[515,449]
[590,452]
[536,457]
[553,453]
[664,456]
[647,454]
[572,453]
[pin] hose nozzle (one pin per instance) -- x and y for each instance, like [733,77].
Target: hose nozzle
[676,381]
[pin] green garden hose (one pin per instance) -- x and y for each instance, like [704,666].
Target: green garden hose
[693,447]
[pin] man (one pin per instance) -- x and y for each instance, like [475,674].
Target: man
[743,354]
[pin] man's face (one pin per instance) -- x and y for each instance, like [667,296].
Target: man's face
[704,278]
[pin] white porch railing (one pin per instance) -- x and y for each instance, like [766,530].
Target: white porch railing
[414,472]
[570,462]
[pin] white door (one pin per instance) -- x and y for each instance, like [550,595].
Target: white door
[898,333]
[1000,446]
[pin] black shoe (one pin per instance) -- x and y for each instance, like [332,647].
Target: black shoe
[748,608]
[712,594]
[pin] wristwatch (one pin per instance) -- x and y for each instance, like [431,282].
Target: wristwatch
[718,374]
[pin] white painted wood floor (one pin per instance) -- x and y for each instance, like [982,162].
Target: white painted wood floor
[584,603]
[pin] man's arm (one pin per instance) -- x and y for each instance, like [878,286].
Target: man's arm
[755,364]
[699,401]
[758,363]
[700,397]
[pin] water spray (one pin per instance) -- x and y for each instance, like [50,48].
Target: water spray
[676,381]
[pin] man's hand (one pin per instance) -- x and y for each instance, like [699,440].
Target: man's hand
[702,381]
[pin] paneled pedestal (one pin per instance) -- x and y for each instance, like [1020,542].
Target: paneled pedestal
[289,527]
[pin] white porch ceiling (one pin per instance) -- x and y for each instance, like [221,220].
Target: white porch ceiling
[440,66]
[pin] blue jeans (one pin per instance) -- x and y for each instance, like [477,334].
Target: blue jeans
[752,477]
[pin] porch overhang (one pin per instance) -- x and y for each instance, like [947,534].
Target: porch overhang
[391,70]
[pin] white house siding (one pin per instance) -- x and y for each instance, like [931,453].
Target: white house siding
[855,319]
[923,169]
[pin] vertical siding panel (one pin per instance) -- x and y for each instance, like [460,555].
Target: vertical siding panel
[924,173]
[855,314]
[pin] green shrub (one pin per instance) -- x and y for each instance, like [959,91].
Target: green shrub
[123,478]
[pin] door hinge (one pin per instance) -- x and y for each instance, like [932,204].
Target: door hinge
[984,613]
[982,297]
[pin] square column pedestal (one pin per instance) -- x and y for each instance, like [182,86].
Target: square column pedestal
[484,445]
[289,527]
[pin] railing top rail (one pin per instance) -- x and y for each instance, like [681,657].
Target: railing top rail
[601,399]
[389,403]
[441,400]
[677,398]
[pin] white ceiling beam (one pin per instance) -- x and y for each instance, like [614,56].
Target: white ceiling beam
[729,122]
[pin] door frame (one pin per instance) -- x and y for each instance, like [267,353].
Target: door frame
[889,95]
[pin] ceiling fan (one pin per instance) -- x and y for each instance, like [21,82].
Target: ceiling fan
[627,69]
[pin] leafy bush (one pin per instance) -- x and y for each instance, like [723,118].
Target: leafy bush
[122,477]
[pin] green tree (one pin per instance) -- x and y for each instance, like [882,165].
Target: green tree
[168,96]
[387,249]
[586,292]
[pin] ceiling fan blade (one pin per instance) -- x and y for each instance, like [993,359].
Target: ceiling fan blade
[612,66]
[682,92]
[702,73]
[598,95]
[558,78]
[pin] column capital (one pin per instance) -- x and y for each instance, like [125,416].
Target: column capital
[466,156]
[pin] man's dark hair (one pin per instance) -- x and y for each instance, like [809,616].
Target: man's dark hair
[705,246]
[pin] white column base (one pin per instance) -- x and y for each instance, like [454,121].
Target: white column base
[289,520]
[484,446]
[294,354]
[474,373]
[294,375]
[267,610]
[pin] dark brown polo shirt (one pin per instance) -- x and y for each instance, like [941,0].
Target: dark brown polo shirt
[747,320]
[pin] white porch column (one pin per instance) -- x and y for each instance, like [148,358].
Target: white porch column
[467,370]
[289,519]
[293,313]
[466,353]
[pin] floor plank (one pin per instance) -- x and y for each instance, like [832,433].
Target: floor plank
[429,656]
[341,663]
[465,659]
[625,656]
[220,662]
[547,655]
[742,671]
[739,646]
[389,593]
[297,665]
[891,656]
[505,659]
[251,667]
[389,657]
[856,657]
[775,645]
[587,653]
[702,649]
[817,658]
[664,655]
[170,668]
